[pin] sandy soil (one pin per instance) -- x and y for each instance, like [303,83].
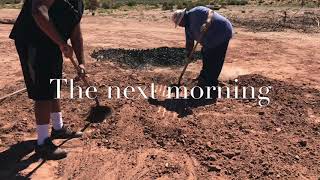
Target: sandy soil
[229,139]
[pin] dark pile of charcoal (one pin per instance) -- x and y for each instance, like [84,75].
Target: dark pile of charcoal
[140,58]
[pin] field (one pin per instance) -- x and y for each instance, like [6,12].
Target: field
[231,139]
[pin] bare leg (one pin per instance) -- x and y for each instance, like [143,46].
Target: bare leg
[42,112]
[55,106]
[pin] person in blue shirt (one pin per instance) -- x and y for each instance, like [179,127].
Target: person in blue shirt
[213,32]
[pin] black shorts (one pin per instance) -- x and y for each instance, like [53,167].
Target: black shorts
[40,63]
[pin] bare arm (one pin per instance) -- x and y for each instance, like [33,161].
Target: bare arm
[207,24]
[77,44]
[40,12]
[209,19]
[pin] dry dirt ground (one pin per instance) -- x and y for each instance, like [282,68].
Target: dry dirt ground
[232,139]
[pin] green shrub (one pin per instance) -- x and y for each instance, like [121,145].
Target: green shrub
[110,4]
[92,5]
[10,1]
[180,5]
[202,2]
[167,6]
[116,5]
[188,4]
[237,2]
[131,3]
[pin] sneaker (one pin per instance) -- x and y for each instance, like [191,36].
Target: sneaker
[197,100]
[49,151]
[65,133]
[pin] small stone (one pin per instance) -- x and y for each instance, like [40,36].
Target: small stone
[212,157]
[153,157]
[229,155]
[302,143]
[297,157]
[218,151]
[105,140]
[278,129]
[167,165]
[209,145]
[214,168]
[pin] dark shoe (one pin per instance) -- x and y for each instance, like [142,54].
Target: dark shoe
[65,133]
[49,151]
[197,100]
[204,92]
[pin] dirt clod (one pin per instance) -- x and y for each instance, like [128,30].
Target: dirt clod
[212,157]
[302,143]
[214,168]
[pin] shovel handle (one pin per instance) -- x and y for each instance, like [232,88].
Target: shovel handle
[83,78]
[188,62]
[190,57]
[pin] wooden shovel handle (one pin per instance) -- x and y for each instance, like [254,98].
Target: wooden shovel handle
[83,78]
[190,57]
[188,62]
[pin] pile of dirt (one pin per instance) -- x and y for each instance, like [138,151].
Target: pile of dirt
[138,58]
[233,138]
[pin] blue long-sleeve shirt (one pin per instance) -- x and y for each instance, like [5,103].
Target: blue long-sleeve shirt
[219,31]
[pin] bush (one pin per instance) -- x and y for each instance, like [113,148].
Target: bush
[10,1]
[109,4]
[203,2]
[237,2]
[167,6]
[105,5]
[180,5]
[116,5]
[91,4]
[131,3]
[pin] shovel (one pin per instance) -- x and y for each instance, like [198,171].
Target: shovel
[185,67]
[189,60]
[97,113]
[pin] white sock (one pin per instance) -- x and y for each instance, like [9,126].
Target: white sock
[57,121]
[43,133]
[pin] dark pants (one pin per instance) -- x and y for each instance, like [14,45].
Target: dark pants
[213,60]
[40,63]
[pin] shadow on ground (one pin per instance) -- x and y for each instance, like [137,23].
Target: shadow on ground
[15,159]
[183,107]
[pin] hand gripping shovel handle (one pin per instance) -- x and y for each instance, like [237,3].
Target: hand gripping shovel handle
[83,78]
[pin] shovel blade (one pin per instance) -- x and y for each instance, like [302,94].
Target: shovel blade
[98,114]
